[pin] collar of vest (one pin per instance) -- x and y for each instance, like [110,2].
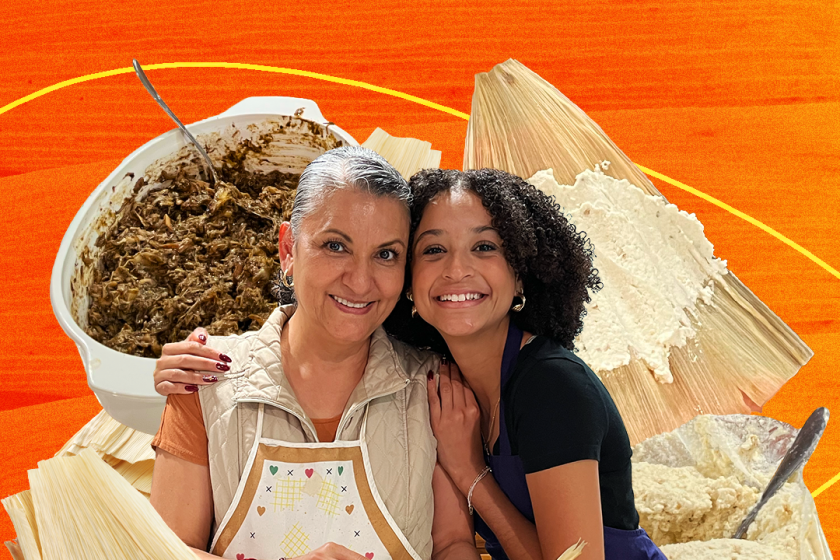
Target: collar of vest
[265,381]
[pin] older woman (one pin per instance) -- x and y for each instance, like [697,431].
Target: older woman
[311,436]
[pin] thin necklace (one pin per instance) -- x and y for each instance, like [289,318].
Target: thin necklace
[492,423]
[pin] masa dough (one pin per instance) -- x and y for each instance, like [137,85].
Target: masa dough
[723,549]
[692,505]
[679,504]
[655,264]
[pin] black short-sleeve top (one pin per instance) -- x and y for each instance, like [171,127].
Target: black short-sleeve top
[557,411]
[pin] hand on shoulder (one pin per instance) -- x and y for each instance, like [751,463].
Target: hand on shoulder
[183,366]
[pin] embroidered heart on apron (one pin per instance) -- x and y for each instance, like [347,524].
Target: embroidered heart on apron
[309,472]
[340,469]
[349,509]
[369,555]
[273,469]
[260,510]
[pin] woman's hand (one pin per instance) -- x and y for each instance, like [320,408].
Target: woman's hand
[183,366]
[455,420]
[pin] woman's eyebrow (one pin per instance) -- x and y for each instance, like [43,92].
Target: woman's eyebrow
[392,243]
[427,232]
[482,229]
[339,232]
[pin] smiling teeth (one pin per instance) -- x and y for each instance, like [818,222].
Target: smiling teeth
[459,297]
[350,304]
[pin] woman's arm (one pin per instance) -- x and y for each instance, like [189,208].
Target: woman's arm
[516,534]
[566,498]
[454,416]
[559,420]
[567,507]
[453,534]
[182,495]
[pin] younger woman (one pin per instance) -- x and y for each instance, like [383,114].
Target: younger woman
[502,277]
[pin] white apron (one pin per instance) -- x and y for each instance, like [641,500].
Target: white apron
[294,497]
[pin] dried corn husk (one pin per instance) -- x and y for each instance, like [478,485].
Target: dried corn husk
[573,552]
[407,155]
[22,513]
[128,451]
[81,508]
[14,550]
[522,124]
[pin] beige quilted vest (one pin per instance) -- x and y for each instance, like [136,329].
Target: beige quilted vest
[398,436]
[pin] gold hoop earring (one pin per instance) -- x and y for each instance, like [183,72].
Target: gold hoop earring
[413,309]
[519,306]
[287,281]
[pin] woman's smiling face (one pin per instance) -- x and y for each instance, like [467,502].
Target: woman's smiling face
[461,281]
[348,262]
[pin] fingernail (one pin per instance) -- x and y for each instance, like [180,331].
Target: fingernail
[210,378]
[444,360]
[222,367]
[191,388]
[430,375]
[225,358]
[202,338]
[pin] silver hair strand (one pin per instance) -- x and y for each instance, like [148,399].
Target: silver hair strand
[348,166]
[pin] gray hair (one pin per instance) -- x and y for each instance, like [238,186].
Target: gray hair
[348,166]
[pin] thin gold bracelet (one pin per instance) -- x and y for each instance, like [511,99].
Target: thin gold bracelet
[481,475]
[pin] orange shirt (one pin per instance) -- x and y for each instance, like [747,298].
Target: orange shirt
[182,432]
[326,428]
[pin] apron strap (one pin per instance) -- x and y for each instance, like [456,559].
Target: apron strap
[364,423]
[504,440]
[509,356]
[258,433]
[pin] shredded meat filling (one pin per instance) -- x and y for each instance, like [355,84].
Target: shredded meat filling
[181,254]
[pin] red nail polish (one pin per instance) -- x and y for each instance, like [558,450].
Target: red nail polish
[191,388]
[222,367]
[210,378]
[202,338]
[225,358]
[430,375]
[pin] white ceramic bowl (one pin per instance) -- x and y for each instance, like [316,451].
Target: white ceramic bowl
[123,383]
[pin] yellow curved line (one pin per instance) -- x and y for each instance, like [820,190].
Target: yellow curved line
[413,99]
[825,486]
[743,216]
[421,101]
[237,66]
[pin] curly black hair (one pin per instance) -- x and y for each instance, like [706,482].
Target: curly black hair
[551,258]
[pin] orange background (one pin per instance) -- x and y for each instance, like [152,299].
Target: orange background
[736,98]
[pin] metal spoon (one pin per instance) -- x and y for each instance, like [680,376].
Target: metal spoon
[150,88]
[800,451]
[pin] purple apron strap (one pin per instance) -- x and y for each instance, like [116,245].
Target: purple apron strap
[509,474]
[507,469]
[511,353]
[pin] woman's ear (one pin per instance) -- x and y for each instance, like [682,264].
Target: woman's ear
[285,243]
